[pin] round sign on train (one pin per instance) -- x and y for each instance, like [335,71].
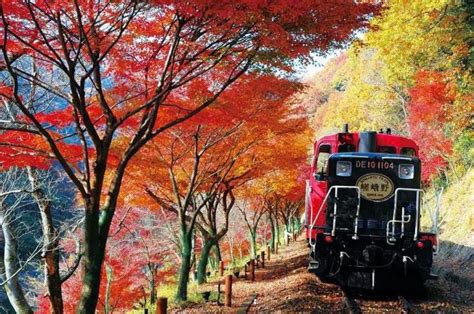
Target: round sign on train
[375,187]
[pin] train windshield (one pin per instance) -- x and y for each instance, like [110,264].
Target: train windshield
[386,149]
[407,151]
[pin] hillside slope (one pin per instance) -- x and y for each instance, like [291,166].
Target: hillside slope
[456,223]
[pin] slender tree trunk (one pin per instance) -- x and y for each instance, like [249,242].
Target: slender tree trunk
[152,284]
[273,235]
[109,274]
[253,242]
[12,288]
[182,291]
[231,251]
[217,251]
[203,260]
[277,231]
[50,251]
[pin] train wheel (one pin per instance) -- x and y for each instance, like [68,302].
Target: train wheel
[415,285]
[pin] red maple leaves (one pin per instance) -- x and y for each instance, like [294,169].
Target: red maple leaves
[428,107]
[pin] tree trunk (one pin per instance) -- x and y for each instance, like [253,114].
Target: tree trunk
[109,274]
[94,251]
[50,251]
[277,231]
[217,251]
[12,287]
[273,235]
[152,268]
[182,291]
[253,242]
[203,260]
[296,225]
[231,250]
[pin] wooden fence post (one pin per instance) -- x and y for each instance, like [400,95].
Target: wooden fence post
[219,293]
[162,306]
[252,270]
[221,266]
[268,253]
[263,259]
[228,290]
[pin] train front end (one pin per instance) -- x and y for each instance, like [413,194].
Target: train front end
[365,232]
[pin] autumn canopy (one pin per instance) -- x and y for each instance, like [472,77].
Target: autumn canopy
[101,90]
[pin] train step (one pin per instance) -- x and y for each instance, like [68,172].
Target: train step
[313,265]
[433,276]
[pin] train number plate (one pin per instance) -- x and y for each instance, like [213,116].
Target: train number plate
[375,187]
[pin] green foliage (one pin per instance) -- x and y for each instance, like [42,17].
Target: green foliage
[169,291]
[464,148]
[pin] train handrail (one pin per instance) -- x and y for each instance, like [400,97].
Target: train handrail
[313,221]
[333,231]
[391,234]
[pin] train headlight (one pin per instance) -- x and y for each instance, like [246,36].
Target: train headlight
[344,168]
[406,171]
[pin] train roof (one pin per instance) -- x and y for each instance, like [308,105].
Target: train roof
[382,140]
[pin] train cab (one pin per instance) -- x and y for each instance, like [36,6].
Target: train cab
[363,210]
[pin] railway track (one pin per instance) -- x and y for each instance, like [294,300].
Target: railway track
[405,305]
[349,304]
[356,304]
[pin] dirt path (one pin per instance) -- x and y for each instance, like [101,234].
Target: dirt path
[285,285]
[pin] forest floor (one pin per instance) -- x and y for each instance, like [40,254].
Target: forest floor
[285,285]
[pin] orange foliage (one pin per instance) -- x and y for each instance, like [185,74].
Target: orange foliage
[428,112]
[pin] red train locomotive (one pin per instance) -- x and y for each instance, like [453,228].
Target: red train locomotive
[363,211]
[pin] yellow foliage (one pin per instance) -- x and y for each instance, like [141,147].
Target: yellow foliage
[457,211]
[418,34]
[360,96]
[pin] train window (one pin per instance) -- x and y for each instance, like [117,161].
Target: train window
[323,156]
[386,149]
[407,151]
[346,148]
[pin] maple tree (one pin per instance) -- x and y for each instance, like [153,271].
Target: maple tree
[197,181]
[103,68]
[282,176]
[139,235]
[429,99]
[12,198]
[236,243]
[205,163]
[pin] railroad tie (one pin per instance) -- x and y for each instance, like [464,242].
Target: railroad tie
[244,308]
